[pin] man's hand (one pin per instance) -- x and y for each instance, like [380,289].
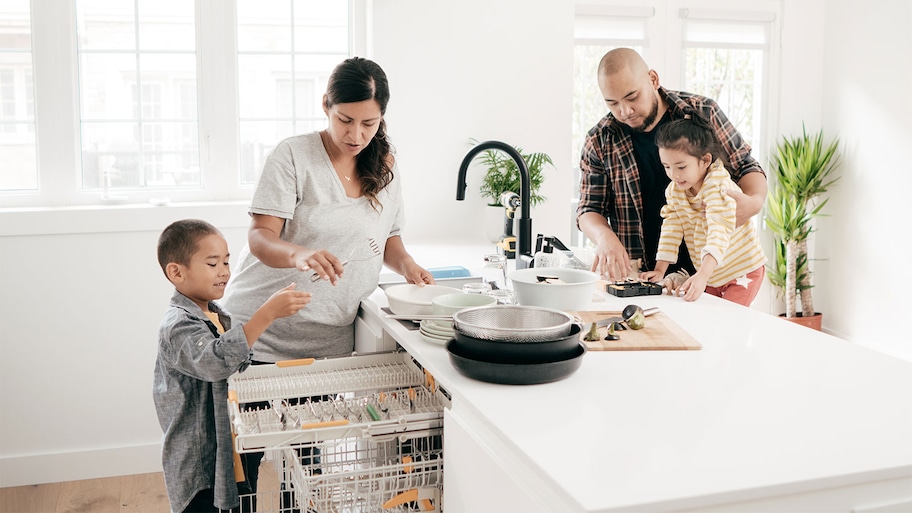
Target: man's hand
[611,259]
[750,198]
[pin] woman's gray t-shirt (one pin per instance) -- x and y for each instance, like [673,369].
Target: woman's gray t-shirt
[299,184]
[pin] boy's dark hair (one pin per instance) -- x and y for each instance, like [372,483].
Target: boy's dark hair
[180,239]
[692,135]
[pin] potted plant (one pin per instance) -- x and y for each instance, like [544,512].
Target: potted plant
[802,168]
[502,175]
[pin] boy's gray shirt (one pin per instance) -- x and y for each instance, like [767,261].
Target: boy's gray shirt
[190,391]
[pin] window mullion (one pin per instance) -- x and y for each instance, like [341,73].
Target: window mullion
[56,94]
[218,104]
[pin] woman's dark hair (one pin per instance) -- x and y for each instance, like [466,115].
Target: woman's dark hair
[692,135]
[180,239]
[355,80]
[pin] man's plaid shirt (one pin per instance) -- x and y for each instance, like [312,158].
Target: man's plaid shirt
[610,183]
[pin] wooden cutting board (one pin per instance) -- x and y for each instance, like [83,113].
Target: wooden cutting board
[660,333]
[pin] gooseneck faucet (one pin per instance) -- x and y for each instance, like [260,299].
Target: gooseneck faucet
[524,237]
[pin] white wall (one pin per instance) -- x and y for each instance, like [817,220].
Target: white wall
[81,295]
[485,70]
[863,285]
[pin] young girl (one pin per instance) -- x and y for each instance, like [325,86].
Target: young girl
[728,259]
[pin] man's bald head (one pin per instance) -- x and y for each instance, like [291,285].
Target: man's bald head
[622,59]
[630,89]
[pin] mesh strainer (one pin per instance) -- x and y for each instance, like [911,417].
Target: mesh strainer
[513,323]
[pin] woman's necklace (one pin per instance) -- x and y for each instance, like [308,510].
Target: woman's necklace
[327,144]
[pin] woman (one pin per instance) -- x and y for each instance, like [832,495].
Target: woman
[320,199]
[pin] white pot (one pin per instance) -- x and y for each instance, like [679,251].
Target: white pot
[575,293]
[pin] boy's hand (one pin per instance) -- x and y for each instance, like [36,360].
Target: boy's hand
[287,301]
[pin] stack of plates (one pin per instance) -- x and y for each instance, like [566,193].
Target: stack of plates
[436,332]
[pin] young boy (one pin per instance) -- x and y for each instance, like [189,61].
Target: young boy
[198,350]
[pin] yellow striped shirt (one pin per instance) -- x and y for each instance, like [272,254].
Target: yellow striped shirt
[711,231]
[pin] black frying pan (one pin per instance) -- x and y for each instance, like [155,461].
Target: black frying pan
[514,373]
[518,352]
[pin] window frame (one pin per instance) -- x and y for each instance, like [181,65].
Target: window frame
[665,51]
[57,117]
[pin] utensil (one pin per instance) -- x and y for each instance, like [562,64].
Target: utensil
[514,323]
[514,373]
[375,251]
[605,322]
[522,352]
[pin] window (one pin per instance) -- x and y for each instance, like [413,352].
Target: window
[285,55]
[18,157]
[716,49]
[134,58]
[726,56]
[160,98]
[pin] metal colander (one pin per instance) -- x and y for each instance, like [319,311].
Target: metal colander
[508,323]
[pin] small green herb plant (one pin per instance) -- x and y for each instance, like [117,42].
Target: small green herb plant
[502,174]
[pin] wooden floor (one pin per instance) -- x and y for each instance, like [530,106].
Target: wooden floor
[141,493]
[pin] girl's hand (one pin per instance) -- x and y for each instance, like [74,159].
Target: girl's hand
[653,276]
[693,287]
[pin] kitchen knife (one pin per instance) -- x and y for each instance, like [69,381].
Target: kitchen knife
[605,322]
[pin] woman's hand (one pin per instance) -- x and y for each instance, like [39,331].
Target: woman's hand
[323,263]
[416,274]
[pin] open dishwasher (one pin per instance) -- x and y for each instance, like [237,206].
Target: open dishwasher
[355,434]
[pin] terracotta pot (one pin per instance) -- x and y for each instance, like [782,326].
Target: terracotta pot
[814,322]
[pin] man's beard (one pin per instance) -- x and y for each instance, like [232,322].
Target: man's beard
[649,119]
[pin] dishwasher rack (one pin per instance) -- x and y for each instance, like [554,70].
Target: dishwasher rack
[351,435]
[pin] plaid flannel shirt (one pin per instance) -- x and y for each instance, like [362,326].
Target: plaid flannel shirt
[610,179]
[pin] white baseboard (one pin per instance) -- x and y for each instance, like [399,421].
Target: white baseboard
[73,466]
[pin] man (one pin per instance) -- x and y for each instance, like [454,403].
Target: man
[623,182]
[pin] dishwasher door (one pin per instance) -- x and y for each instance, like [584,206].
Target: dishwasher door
[360,433]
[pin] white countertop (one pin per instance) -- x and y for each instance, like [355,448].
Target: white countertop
[765,408]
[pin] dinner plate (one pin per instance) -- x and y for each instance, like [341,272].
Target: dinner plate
[440,341]
[430,327]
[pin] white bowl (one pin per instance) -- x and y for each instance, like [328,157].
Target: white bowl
[408,299]
[448,304]
[575,293]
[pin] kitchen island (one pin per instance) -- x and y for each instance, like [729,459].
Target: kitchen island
[767,416]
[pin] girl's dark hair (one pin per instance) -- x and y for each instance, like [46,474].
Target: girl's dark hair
[355,80]
[692,135]
[180,240]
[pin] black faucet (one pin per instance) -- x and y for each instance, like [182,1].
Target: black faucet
[524,237]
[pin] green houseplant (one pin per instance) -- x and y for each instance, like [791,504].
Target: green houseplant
[502,174]
[803,168]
